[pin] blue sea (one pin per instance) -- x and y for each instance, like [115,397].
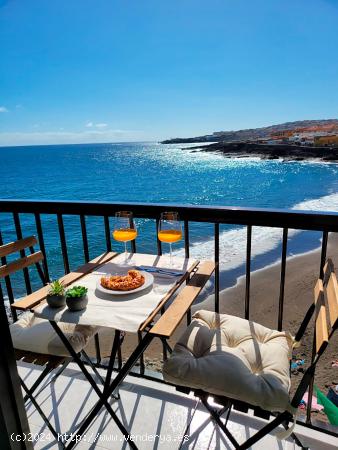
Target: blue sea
[152,172]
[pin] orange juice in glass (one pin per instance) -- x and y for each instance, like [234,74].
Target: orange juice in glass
[169,230]
[124,235]
[124,229]
[170,236]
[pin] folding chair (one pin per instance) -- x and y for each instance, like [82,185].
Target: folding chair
[31,335]
[243,365]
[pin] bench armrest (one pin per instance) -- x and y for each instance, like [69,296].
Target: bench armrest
[169,321]
[37,297]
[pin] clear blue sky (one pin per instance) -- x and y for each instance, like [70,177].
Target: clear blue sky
[108,70]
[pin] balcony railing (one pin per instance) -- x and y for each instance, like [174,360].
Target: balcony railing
[215,215]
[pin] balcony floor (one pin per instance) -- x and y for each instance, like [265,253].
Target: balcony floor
[147,409]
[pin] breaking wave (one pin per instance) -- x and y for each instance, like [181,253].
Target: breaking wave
[264,239]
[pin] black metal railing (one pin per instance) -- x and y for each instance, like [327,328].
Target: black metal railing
[217,215]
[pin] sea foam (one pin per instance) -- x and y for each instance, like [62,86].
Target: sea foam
[232,243]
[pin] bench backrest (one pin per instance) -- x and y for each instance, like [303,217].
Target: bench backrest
[24,261]
[326,307]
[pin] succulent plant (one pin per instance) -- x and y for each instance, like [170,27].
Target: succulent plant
[56,288]
[76,292]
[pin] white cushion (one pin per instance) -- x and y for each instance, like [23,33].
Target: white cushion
[232,357]
[38,336]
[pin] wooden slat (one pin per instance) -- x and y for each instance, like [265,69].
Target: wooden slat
[21,263]
[169,321]
[328,269]
[322,337]
[38,296]
[30,357]
[168,296]
[52,360]
[332,299]
[39,358]
[16,246]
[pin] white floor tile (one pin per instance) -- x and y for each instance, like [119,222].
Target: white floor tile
[155,413]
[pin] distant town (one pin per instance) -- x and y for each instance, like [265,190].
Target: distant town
[316,133]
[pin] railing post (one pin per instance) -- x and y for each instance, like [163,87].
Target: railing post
[187,255]
[42,244]
[22,252]
[248,272]
[186,239]
[63,243]
[8,286]
[107,233]
[159,243]
[323,254]
[282,280]
[216,240]
[84,237]
[311,383]
[133,242]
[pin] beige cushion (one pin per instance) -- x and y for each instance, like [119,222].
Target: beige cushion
[37,335]
[229,356]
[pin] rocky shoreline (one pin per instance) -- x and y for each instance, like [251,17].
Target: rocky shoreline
[270,151]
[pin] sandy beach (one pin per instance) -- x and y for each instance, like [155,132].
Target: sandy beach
[301,275]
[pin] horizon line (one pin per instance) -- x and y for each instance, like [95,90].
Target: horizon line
[75,143]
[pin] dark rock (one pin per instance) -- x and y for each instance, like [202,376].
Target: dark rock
[270,151]
[332,157]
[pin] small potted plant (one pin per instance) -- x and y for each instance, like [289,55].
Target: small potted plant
[56,295]
[76,298]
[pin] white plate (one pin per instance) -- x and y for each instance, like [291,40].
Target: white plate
[148,281]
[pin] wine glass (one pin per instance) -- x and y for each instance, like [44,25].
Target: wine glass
[169,230]
[124,229]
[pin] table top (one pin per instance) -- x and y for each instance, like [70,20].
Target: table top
[125,312]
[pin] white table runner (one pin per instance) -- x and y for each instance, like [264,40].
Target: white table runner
[125,312]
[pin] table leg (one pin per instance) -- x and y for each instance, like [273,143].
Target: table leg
[97,349]
[115,347]
[92,365]
[126,368]
[103,397]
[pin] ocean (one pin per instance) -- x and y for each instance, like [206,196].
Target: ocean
[152,172]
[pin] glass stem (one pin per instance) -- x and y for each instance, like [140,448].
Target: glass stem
[125,252]
[171,255]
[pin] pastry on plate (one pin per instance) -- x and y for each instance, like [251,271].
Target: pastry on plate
[133,280]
